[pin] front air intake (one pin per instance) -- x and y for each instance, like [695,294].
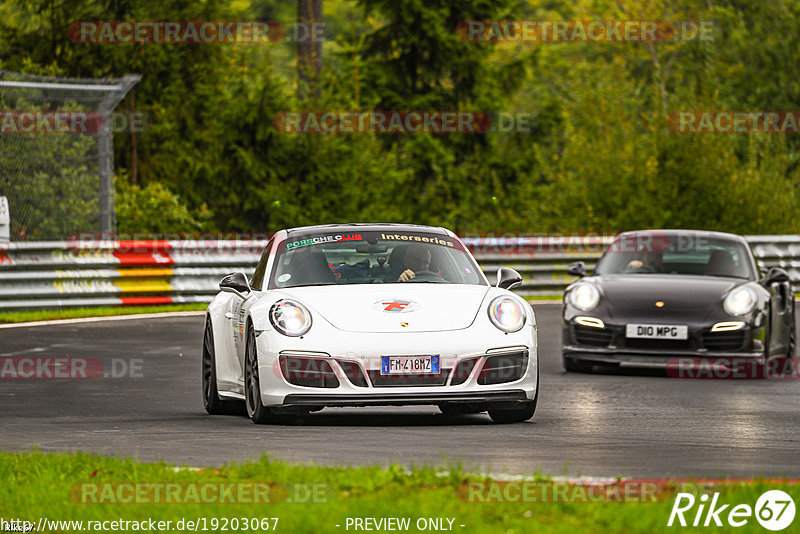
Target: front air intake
[353,373]
[308,372]
[503,368]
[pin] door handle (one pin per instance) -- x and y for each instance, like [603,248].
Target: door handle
[229,315]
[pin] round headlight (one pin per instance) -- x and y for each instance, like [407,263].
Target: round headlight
[584,296]
[740,301]
[506,314]
[290,318]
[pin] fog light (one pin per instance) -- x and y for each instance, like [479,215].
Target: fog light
[727,326]
[594,322]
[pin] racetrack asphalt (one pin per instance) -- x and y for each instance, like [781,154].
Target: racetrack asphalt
[629,425]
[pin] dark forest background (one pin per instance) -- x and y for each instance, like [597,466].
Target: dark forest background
[598,156]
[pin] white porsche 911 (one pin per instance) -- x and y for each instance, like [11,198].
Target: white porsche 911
[367,315]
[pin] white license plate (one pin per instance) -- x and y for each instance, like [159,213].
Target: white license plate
[657,331]
[410,365]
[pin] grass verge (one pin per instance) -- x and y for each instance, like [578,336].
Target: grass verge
[63,487]
[24,316]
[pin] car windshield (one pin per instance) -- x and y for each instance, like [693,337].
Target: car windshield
[691,254]
[383,257]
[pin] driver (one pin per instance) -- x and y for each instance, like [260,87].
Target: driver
[647,261]
[416,259]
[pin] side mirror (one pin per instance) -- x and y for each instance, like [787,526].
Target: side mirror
[508,278]
[774,276]
[235,283]
[577,269]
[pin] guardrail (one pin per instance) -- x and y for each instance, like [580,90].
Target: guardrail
[108,273]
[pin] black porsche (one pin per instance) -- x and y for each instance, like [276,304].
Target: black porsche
[659,297]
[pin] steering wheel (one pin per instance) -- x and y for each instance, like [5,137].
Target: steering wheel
[642,269]
[426,276]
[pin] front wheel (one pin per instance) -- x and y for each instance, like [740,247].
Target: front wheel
[574,366]
[256,410]
[786,366]
[211,401]
[517,415]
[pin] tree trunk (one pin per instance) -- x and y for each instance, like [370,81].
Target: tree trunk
[309,48]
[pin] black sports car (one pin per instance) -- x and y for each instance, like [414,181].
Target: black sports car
[659,297]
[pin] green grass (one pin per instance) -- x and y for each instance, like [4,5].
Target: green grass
[34,485]
[24,316]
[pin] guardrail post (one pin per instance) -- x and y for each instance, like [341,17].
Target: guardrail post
[5,221]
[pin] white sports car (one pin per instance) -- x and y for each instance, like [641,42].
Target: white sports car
[367,315]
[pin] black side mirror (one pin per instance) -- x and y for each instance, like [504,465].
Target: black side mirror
[577,269]
[775,275]
[508,278]
[235,283]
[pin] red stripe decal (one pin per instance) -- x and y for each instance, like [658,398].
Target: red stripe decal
[143,258]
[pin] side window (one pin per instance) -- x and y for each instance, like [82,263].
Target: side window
[258,276]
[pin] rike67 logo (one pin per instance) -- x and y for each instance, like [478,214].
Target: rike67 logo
[774,510]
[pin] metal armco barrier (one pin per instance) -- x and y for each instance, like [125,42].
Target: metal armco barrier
[60,274]
[64,274]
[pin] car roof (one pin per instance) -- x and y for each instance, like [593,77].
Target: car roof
[696,233]
[368,227]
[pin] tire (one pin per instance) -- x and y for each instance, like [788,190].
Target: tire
[573,366]
[461,409]
[258,413]
[211,401]
[514,416]
[786,364]
[779,366]
[517,415]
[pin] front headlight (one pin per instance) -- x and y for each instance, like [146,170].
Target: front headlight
[290,318]
[584,296]
[740,301]
[506,314]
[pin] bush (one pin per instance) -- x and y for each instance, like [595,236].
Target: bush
[154,208]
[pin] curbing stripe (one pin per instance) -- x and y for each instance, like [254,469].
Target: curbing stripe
[107,318]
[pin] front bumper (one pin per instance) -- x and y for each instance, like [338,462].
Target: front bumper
[610,346]
[660,361]
[352,364]
[495,398]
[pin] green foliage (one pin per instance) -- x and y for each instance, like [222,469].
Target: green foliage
[154,208]
[599,156]
[325,496]
[24,316]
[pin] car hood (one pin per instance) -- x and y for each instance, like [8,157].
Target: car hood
[411,307]
[678,292]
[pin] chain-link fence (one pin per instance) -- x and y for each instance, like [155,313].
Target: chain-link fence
[56,153]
